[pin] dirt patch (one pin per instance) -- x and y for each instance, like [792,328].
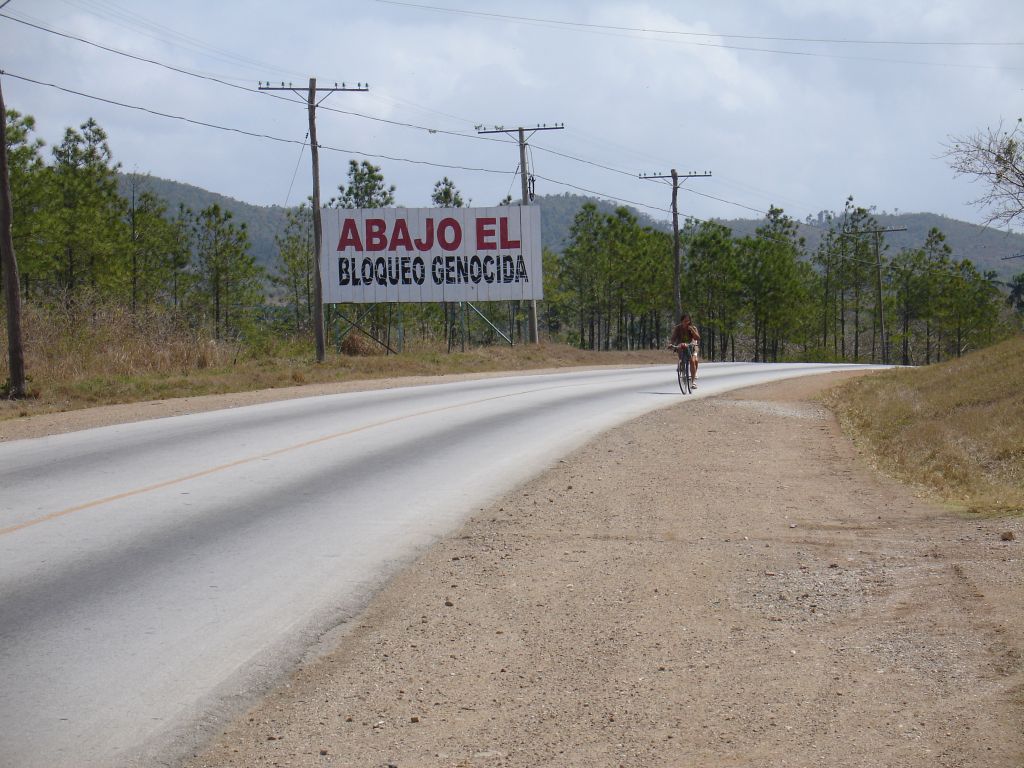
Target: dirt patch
[722,583]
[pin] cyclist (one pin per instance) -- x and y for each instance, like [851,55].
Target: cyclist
[686,333]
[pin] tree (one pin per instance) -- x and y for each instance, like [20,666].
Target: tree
[366,188]
[579,271]
[857,265]
[155,246]
[1016,298]
[30,194]
[828,261]
[16,380]
[995,157]
[935,287]
[712,284]
[908,279]
[229,280]
[445,195]
[295,260]
[773,284]
[88,225]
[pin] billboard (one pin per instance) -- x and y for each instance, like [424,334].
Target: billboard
[431,254]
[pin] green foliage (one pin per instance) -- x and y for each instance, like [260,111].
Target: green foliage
[772,285]
[615,281]
[295,265]
[366,188]
[1016,297]
[713,284]
[229,286]
[88,243]
[83,230]
[445,195]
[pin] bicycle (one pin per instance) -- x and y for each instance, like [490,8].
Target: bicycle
[683,368]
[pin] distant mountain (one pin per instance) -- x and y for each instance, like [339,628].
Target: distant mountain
[261,222]
[558,212]
[987,248]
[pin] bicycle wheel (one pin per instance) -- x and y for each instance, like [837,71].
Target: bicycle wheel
[683,374]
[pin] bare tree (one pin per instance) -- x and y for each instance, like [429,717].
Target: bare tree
[995,157]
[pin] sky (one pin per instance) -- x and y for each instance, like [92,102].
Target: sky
[792,103]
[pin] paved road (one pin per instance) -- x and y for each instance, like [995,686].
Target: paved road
[154,576]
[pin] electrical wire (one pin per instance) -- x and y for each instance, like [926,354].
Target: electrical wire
[603,30]
[140,25]
[509,17]
[602,194]
[296,171]
[299,102]
[352,113]
[723,200]
[220,81]
[245,132]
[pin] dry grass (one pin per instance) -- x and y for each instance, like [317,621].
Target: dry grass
[100,354]
[955,428]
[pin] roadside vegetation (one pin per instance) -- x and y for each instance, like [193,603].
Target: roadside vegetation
[955,429]
[125,299]
[89,353]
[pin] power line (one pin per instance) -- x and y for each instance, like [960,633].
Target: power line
[221,81]
[154,62]
[299,102]
[296,171]
[624,32]
[161,33]
[723,200]
[603,194]
[248,133]
[611,27]
[652,178]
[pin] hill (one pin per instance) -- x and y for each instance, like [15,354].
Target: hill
[986,247]
[262,222]
[558,212]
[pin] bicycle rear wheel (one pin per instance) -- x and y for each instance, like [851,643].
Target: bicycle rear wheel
[683,374]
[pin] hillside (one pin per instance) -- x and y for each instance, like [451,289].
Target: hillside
[986,247]
[262,222]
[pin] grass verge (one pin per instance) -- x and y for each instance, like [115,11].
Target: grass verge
[956,429]
[88,352]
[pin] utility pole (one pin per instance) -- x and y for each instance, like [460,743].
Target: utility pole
[314,151]
[878,268]
[527,181]
[675,176]
[12,283]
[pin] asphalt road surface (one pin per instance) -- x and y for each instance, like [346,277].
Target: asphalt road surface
[155,576]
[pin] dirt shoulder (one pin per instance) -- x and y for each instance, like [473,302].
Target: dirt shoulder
[720,583]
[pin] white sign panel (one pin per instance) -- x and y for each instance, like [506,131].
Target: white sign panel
[431,254]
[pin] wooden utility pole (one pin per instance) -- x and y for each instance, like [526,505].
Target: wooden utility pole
[676,256]
[314,150]
[12,283]
[525,178]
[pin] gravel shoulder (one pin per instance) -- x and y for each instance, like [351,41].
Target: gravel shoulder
[720,583]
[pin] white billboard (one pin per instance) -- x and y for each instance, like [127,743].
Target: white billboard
[431,254]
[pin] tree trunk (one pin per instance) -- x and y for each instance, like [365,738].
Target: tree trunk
[12,285]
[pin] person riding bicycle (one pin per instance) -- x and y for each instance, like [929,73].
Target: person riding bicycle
[686,333]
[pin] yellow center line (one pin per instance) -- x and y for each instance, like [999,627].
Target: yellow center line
[259,457]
